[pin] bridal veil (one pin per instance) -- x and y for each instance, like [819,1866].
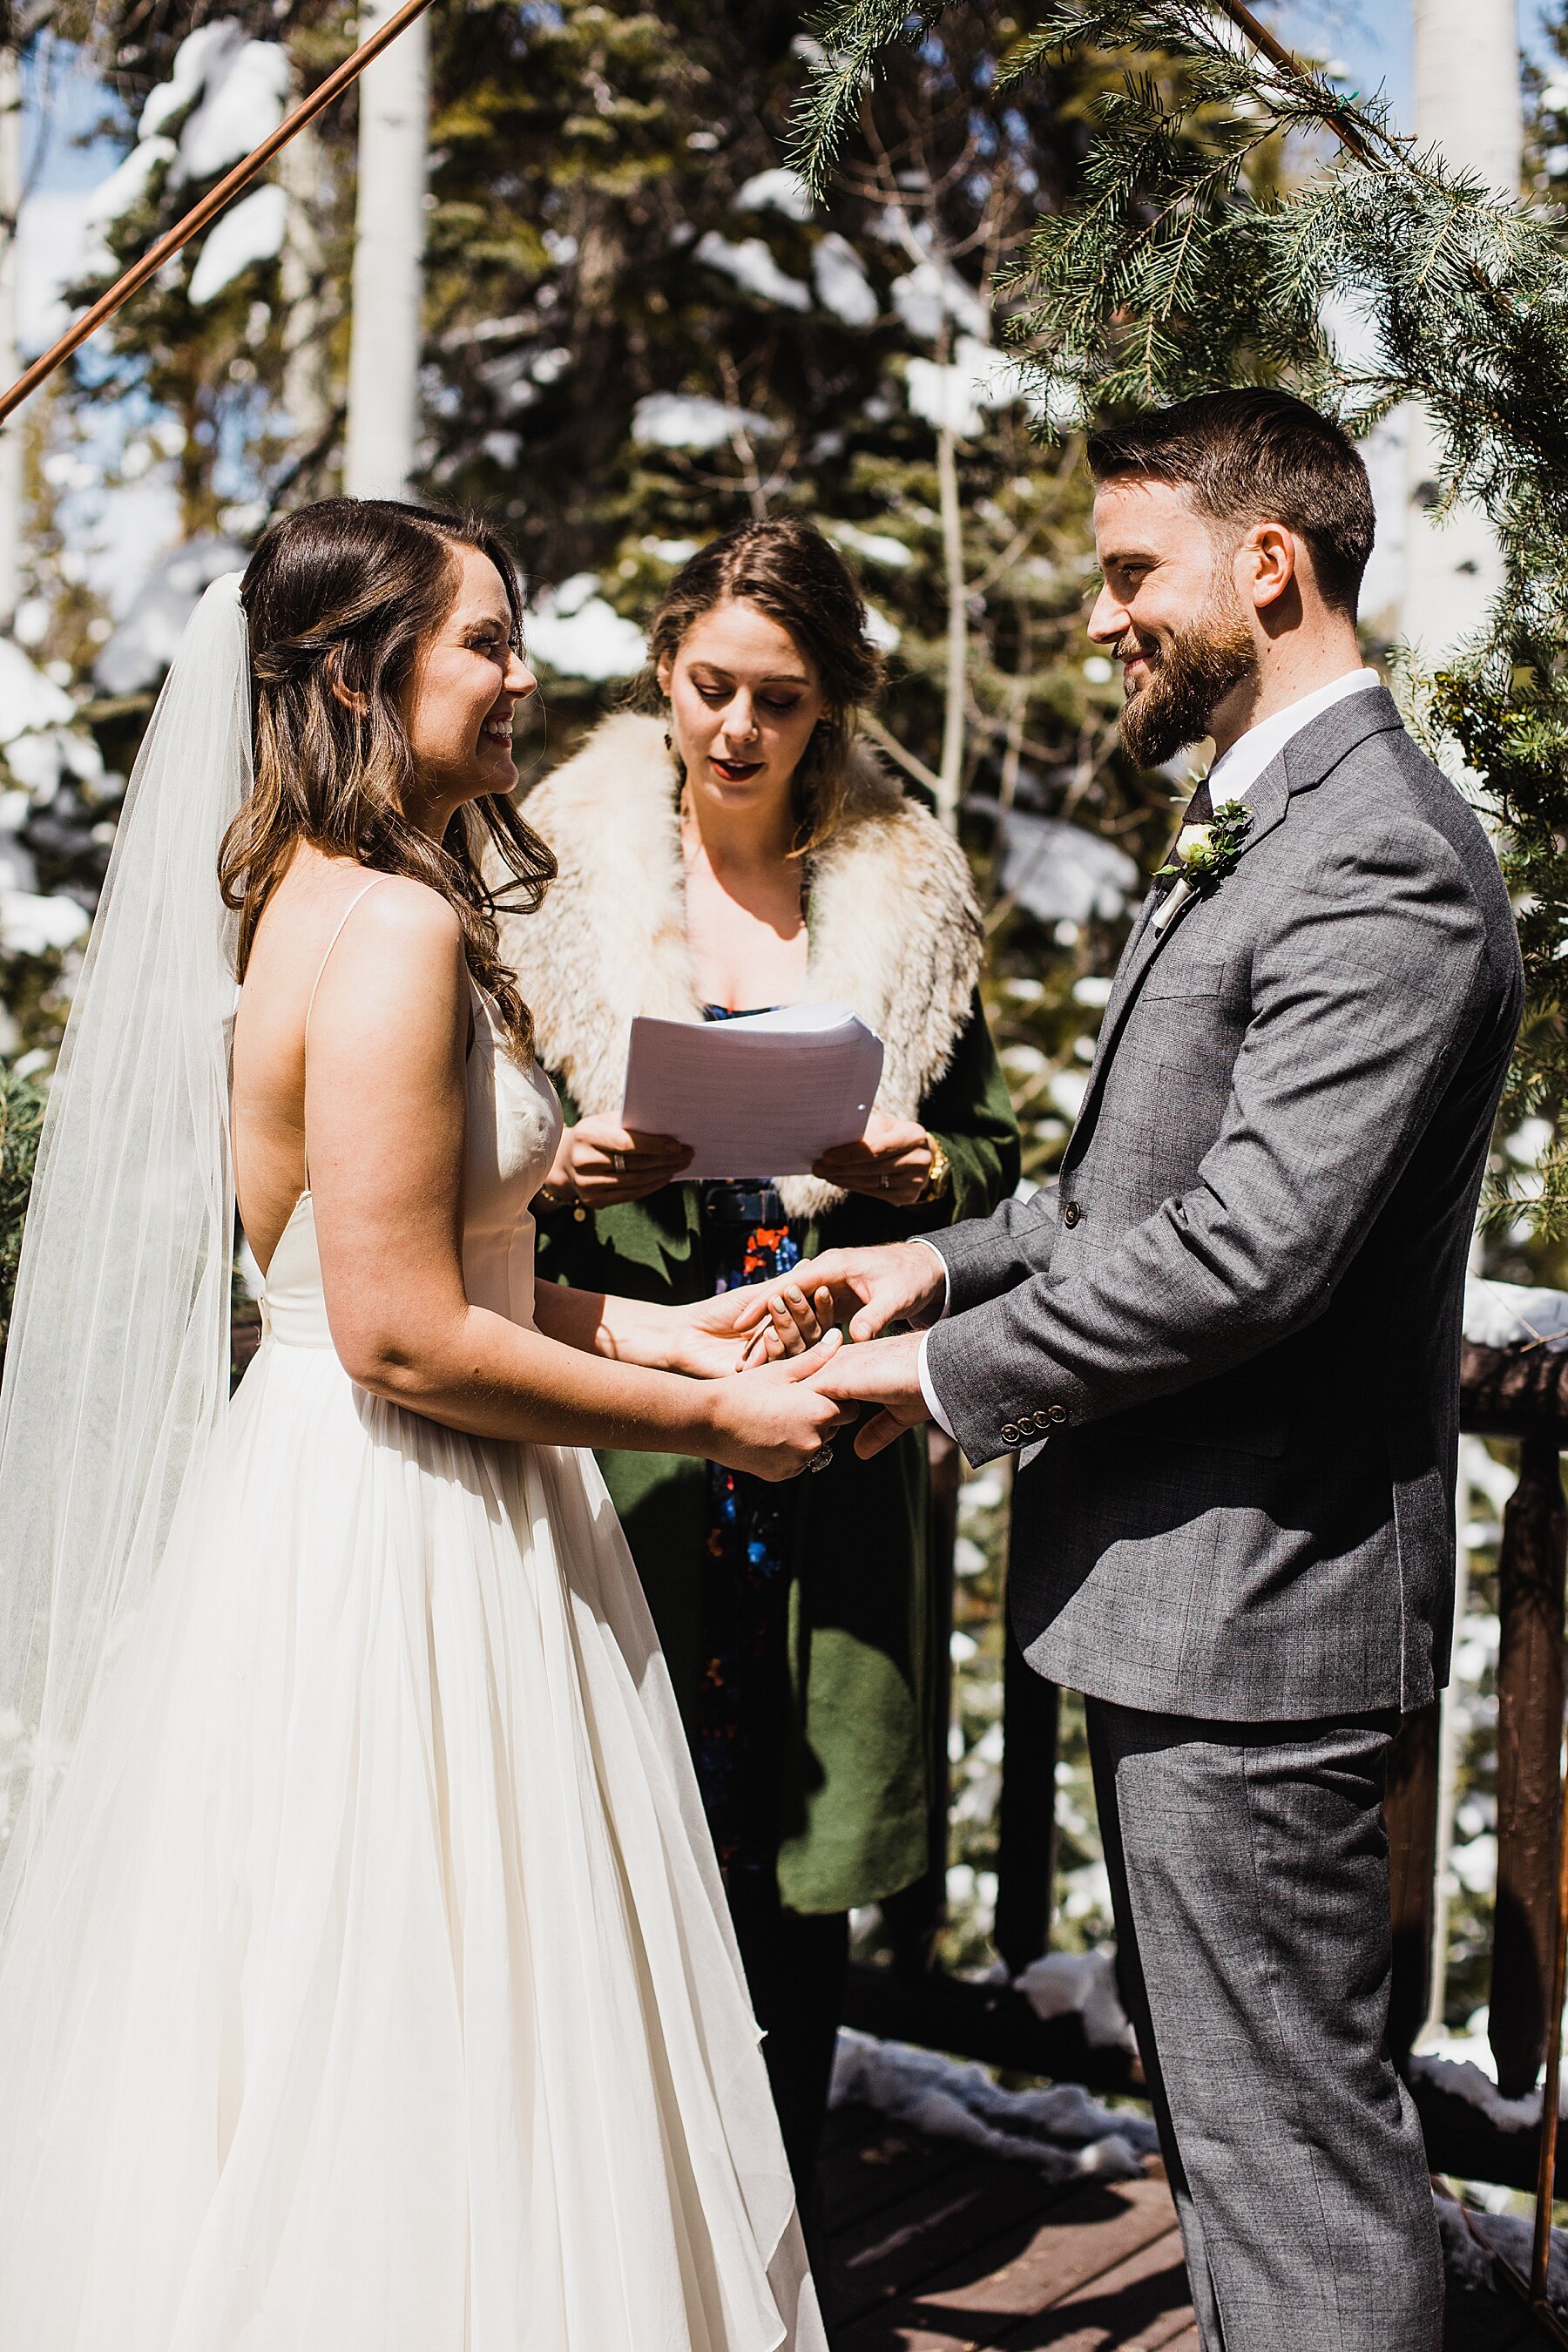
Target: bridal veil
[117,1370]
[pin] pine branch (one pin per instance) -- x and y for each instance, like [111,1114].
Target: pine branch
[1169,272]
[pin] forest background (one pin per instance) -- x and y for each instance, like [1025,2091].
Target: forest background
[639,329]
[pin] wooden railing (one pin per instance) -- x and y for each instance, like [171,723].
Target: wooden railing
[1516,1393]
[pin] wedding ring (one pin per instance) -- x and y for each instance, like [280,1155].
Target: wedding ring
[820,1461]
[619,1162]
[885,1181]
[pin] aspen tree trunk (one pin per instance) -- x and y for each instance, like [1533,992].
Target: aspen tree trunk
[952,728]
[388,272]
[10,434]
[1468,104]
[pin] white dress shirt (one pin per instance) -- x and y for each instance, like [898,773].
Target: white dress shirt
[1230,778]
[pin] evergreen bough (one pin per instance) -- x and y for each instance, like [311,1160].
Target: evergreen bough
[21,1123]
[1175,269]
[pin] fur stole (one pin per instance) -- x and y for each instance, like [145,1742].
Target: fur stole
[895,929]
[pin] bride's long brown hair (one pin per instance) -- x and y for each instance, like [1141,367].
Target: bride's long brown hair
[346,593]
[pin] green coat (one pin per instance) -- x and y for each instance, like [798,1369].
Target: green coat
[893,930]
[864,1634]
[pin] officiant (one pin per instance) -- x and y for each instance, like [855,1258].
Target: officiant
[731,848]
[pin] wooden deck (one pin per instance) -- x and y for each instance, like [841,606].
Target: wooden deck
[935,2249]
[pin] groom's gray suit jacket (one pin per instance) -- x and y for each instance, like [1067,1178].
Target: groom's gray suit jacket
[1236,1321]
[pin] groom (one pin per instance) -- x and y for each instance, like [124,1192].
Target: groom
[1224,1352]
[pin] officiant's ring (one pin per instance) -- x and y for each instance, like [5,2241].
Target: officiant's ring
[619,1162]
[820,1461]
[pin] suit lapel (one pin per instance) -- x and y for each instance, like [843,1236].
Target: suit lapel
[1303,762]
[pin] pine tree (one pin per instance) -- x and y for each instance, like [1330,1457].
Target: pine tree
[1169,272]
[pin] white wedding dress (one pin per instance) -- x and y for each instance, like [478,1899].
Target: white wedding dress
[387,2000]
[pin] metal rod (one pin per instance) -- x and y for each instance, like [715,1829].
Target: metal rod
[211,205]
[1279,55]
[1546,2176]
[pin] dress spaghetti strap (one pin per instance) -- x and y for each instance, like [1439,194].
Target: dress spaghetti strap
[310,1008]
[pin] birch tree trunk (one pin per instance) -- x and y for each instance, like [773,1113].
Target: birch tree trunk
[10,434]
[388,271]
[1468,102]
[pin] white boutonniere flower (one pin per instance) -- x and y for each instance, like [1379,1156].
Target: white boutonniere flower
[1203,855]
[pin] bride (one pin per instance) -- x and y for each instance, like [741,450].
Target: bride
[366,1979]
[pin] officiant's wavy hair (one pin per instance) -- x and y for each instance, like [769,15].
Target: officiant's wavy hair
[795,575]
[345,594]
[1252,456]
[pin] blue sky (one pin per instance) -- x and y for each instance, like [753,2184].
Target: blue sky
[1374,38]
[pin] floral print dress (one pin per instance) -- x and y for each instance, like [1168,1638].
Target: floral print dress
[743,1703]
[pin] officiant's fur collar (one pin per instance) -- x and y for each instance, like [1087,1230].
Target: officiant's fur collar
[894,930]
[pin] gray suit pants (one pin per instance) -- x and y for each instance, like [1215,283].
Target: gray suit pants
[1249,1873]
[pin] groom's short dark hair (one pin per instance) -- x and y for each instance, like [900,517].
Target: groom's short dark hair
[1255,456]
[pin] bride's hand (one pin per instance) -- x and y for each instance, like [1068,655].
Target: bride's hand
[599,1162]
[707,1343]
[776,1423]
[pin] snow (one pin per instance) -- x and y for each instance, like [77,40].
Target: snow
[32,926]
[1080,1984]
[876,546]
[199,53]
[1061,2131]
[690,420]
[127,185]
[1512,1314]
[577,632]
[234,90]
[1057,872]
[40,762]
[140,649]
[249,232]
[244,100]
[932,291]
[841,283]
[752,265]
[957,395]
[60,242]
[1465,2079]
[28,701]
[778,191]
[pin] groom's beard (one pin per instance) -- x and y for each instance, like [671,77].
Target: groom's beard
[1187,677]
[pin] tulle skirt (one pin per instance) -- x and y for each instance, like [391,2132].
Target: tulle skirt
[373,1990]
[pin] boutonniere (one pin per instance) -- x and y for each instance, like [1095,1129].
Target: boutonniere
[1203,855]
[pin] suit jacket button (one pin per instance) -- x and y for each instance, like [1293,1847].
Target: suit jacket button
[1071,1215]
[1057,1414]
[1011,1433]
[1042,1420]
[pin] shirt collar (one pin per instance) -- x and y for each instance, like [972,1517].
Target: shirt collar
[1238,769]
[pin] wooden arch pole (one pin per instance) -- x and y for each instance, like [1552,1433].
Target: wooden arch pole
[211,205]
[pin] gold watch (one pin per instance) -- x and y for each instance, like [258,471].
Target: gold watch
[938,1176]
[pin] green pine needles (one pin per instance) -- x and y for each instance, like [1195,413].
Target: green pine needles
[1380,275]
[21,1124]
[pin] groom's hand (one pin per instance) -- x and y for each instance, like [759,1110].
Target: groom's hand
[902,1282]
[885,1373]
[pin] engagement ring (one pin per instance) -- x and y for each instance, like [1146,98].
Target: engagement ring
[820,1461]
[619,1162]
